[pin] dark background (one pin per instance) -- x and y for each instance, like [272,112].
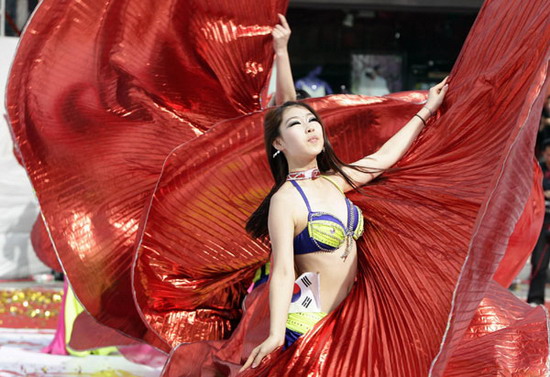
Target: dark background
[427,34]
[428,41]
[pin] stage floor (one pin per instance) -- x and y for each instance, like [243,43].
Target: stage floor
[20,356]
[28,317]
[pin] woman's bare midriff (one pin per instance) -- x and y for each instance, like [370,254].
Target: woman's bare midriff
[336,275]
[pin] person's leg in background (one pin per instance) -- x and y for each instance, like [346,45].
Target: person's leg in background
[539,265]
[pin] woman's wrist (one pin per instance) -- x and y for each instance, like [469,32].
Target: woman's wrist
[278,339]
[424,114]
[417,115]
[281,52]
[430,111]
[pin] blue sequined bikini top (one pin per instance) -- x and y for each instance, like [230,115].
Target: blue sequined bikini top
[325,232]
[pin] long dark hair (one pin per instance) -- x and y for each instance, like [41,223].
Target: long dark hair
[327,161]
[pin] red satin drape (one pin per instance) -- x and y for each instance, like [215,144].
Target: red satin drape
[140,126]
[99,93]
[424,302]
[525,235]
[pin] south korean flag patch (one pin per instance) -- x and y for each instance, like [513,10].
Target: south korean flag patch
[306,294]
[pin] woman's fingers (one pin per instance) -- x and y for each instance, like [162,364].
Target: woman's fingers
[438,89]
[258,359]
[282,30]
[283,21]
[250,359]
[280,36]
[443,88]
[279,28]
[437,94]
[255,358]
[442,83]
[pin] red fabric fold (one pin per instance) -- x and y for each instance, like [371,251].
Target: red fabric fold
[189,284]
[42,245]
[95,104]
[436,230]
[523,240]
[505,336]
[111,127]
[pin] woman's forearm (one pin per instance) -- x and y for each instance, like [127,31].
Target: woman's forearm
[393,149]
[398,144]
[280,294]
[285,83]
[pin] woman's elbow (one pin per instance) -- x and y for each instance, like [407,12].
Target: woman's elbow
[283,274]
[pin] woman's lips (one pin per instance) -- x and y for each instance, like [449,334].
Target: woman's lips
[313,139]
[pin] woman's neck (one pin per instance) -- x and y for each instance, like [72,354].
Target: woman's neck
[293,166]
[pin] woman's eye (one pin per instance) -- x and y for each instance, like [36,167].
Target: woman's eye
[293,123]
[313,120]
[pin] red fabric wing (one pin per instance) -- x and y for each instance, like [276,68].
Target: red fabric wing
[436,230]
[527,230]
[195,260]
[96,105]
[99,93]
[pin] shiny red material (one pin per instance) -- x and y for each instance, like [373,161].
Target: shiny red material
[424,302]
[102,105]
[189,284]
[526,233]
[99,93]
[42,245]
[88,334]
[505,337]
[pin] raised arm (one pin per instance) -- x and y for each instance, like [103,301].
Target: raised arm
[281,277]
[285,90]
[393,149]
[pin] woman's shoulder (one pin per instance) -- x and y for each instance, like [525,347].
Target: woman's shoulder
[282,203]
[285,194]
[335,178]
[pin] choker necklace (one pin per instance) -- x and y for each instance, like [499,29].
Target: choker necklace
[303,174]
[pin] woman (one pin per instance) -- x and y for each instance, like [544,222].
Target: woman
[312,226]
[435,231]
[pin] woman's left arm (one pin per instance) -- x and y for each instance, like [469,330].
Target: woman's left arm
[285,90]
[394,148]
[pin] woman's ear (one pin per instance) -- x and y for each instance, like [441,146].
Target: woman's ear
[278,144]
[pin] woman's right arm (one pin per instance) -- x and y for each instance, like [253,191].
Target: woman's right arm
[281,279]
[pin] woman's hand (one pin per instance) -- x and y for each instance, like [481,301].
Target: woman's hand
[436,95]
[281,35]
[256,356]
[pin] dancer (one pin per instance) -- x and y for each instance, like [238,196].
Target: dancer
[312,225]
[423,301]
[429,227]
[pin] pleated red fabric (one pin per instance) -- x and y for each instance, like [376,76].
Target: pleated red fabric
[43,246]
[504,338]
[425,302]
[152,142]
[525,235]
[189,284]
[99,93]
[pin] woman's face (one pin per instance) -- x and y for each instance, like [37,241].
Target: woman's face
[301,134]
